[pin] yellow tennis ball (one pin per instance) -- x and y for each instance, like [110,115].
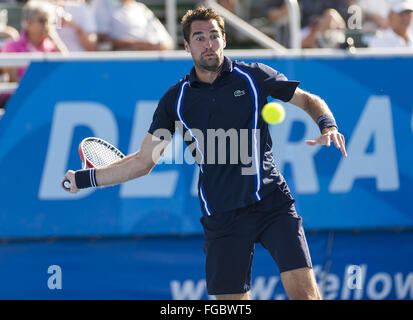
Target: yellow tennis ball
[273,113]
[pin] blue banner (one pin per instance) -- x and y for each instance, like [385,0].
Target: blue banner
[59,103]
[347,266]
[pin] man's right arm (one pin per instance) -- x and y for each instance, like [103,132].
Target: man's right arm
[131,167]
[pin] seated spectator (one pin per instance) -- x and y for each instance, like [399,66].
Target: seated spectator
[322,21]
[129,25]
[323,24]
[312,10]
[398,34]
[375,14]
[37,35]
[77,27]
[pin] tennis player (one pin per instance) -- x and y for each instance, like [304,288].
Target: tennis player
[239,208]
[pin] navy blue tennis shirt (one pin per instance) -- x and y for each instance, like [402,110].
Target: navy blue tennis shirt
[231,104]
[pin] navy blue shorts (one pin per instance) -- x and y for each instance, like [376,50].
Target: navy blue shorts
[230,239]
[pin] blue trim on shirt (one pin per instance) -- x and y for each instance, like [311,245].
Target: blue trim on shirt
[178,104]
[255,142]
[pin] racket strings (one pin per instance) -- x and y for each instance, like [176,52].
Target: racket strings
[100,154]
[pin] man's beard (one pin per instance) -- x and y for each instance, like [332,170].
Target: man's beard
[209,65]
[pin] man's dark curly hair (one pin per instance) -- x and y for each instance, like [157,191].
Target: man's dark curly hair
[200,13]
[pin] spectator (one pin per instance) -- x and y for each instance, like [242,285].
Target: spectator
[322,21]
[78,26]
[375,14]
[398,34]
[129,25]
[37,35]
[313,10]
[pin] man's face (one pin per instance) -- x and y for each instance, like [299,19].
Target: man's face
[206,44]
[400,22]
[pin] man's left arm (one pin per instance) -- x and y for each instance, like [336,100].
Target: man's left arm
[319,111]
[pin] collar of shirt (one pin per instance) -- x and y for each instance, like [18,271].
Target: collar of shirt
[226,68]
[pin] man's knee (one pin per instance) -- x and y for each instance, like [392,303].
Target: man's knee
[300,284]
[308,293]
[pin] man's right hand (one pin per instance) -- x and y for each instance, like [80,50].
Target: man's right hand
[70,175]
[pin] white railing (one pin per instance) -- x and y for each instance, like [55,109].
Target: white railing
[171,19]
[23,59]
[294,21]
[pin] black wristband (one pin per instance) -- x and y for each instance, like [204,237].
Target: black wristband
[85,178]
[326,121]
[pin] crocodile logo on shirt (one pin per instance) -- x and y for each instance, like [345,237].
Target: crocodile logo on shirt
[239,93]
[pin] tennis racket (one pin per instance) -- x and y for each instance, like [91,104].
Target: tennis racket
[95,153]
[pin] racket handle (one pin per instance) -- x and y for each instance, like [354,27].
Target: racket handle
[66,184]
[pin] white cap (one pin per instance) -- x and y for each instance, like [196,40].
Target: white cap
[398,6]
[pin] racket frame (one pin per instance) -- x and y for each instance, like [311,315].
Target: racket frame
[85,162]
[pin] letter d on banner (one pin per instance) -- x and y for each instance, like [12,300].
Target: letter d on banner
[67,116]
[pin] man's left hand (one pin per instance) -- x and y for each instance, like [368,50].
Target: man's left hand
[328,135]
